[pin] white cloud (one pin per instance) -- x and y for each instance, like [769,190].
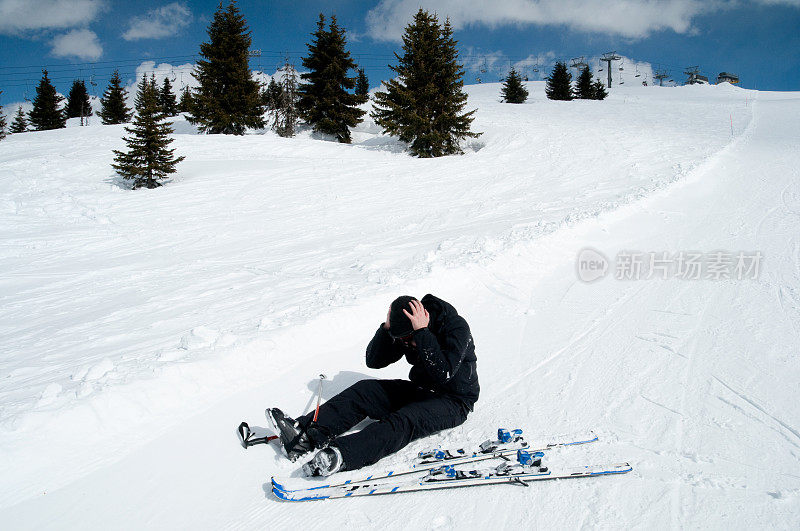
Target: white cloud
[535,66]
[82,43]
[628,18]
[161,22]
[17,16]
[791,3]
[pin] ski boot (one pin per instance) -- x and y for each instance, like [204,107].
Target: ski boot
[326,462]
[295,442]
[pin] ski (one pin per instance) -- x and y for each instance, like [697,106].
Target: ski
[446,477]
[508,443]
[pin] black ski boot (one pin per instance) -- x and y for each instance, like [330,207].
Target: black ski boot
[326,462]
[295,442]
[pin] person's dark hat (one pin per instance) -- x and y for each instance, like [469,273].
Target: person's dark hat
[399,323]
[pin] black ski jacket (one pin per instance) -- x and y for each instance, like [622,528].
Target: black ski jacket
[444,359]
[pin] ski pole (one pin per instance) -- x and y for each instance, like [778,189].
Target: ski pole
[319,397]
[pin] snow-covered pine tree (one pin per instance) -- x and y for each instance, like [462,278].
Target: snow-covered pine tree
[362,83]
[423,105]
[113,109]
[46,113]
[148,159]
[229,99]
[274,94]
[584,88]
[20,123]
[185,105]
[286,115]
[559,83]
[78,104]
[325,101]
[167,99]
[513,90]
[599,90]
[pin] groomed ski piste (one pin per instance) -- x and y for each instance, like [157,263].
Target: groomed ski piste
[137,329]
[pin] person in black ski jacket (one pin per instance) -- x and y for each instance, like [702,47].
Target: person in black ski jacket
[441,391]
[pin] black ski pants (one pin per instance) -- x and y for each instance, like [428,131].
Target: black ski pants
[403,412]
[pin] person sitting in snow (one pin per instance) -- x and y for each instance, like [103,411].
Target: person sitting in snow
[441,391]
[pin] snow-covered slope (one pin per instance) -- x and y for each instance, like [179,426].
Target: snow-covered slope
[138,328]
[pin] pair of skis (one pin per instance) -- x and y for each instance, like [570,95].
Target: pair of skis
[436,469]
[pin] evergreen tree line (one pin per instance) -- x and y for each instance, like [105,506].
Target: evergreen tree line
[51,110]
[423,105]
[558,87]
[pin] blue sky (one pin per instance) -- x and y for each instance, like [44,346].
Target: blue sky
[756,39]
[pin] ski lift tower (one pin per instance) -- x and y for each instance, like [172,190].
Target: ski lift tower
[608,57]
[694,75]
[661,75]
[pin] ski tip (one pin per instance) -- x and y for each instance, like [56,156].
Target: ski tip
[277,486]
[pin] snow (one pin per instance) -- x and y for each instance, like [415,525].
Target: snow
[137,329]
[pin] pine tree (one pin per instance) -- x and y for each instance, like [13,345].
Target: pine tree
[559,83]
[185,105]
[599,90]
[78,104]
[167,99]
[112,105]
[325,102]
[423,105]
[228,99]
[148,160]
[2,123]
[584,88]
[286,113]
[513,90]
[20,123]
[46,113]
[274,94]
[362,83]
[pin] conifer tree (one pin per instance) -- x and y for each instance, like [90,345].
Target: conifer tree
[513,90]
[584,88]
[286,114]
[46,113]
[423,105]
[20,123]
[78,104]
[185,105]
[148,159]
[325,101]
[559,83]
[167,99]
[274,94]
[362,83]
[599,90]
[229,99]
[113,109]
[2,121]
